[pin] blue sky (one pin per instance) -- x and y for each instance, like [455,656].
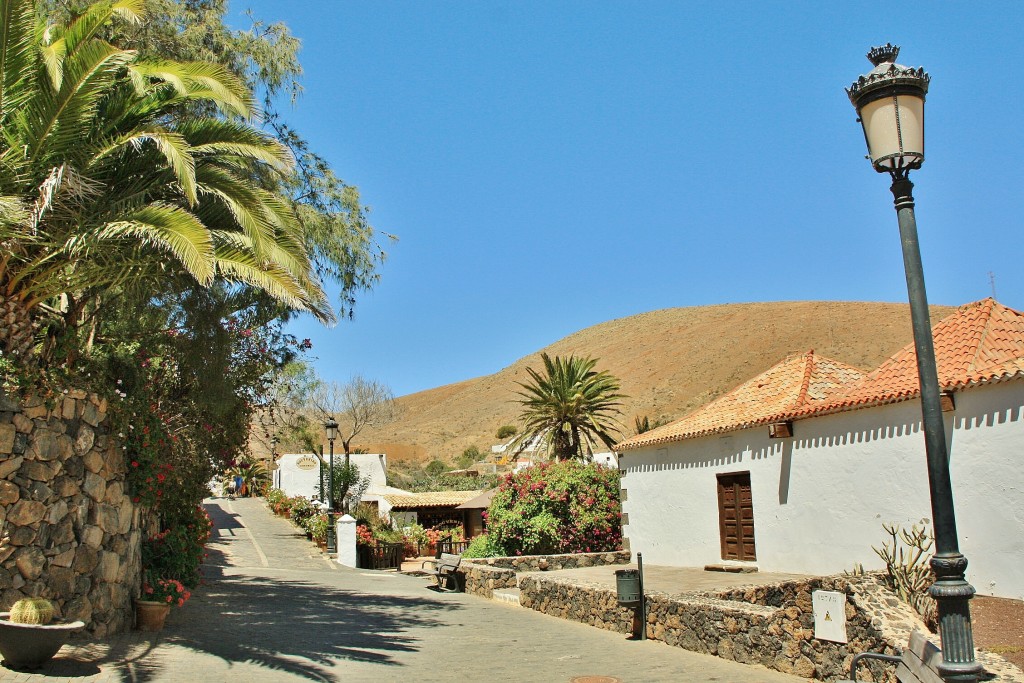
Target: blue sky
[548,166]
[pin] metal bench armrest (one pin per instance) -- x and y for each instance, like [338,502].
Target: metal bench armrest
[426,562]
[870,655]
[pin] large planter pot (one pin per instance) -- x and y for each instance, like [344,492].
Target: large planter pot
[150,615]
[30,646]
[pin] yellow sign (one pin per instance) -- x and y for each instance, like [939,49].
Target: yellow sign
[307,462]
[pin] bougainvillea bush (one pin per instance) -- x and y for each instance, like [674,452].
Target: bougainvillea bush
[564,507]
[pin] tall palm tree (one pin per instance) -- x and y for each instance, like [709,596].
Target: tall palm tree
[109,177]
[569,409]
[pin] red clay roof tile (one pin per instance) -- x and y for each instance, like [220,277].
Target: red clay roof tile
[982,342]
[800,380]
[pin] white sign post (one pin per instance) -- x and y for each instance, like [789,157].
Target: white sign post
[829,615]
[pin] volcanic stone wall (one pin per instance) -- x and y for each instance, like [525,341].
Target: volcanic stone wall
[770,625]
[69,531]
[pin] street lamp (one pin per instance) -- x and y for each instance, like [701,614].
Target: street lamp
[890,106]
[331,426]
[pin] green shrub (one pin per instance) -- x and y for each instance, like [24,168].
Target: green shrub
[301,509]
[483,546]
[470,456]
[177,552]
[564,507]
[505,431]
[435,467]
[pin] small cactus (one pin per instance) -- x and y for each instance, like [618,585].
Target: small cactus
[32,611]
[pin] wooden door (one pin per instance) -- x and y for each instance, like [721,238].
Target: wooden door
[736,516]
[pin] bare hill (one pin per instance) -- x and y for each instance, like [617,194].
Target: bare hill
[669,362]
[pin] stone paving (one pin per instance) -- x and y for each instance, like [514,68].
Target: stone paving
[275,609]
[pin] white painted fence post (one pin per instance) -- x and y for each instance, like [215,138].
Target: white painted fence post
[346,539]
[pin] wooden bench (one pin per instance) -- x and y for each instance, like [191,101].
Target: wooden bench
[444,571]
[919,663]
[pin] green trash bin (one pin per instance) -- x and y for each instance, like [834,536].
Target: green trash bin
[627,585]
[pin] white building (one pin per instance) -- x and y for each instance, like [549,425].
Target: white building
[797,469]
[298,474]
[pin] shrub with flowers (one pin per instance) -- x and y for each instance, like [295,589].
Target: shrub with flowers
[564,507]
[176,552]
[364,536]
[171,591]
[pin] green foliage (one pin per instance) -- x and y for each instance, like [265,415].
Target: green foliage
[483,546]
[568,409]
[470,456]
[505,431]
[37,611]
[177,551]
[435,468]
[907,570]
[565,507]
[644,424]
[317,525]
[349,486]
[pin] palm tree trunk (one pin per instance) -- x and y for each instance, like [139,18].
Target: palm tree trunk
[17,330]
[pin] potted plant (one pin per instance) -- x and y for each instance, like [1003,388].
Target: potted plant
[28,638]
[153,606]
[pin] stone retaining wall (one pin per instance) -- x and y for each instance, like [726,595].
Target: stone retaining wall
[68,530]
[770,625]
[537,563]
[480,579]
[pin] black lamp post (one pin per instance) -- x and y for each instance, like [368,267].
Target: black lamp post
[890,106]
[331,426]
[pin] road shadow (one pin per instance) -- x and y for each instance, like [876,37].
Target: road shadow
[279,624]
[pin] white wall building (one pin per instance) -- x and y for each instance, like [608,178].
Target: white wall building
[298,474]
[797,469]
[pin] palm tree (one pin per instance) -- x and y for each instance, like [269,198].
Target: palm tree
[110,179]
[569,409]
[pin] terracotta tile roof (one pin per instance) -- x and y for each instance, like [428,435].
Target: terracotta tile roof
[436,499]
[799,381]
[981,343]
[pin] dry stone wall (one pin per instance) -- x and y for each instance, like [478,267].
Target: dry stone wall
[771,625]
[69,531]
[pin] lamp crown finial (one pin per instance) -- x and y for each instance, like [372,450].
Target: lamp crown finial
[886,54]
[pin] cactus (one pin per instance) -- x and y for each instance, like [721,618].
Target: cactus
[907,574]
[32,611]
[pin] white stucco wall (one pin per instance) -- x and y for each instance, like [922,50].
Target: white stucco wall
[820,498]
[295,481]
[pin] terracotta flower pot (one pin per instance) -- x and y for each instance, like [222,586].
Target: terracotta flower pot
[30,646]
[150,615]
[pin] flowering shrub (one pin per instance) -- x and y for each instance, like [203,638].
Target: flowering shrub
[564,507]
[146,439]
[177,552]
[170,591]
[317,525]
[364,536]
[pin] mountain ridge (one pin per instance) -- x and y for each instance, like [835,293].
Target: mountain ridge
[669,362]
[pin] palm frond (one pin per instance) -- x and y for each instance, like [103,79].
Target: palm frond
[173,230]
[205,80]
[17,53]
[174,148]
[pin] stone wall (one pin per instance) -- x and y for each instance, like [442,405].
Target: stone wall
[536,563]
[68,530]
[771,625]
[480,579]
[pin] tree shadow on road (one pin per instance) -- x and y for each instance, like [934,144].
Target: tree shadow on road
[297,626]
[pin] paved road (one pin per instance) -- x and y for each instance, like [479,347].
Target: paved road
[275,609]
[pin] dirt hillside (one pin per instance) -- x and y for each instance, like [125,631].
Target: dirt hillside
[669,362]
